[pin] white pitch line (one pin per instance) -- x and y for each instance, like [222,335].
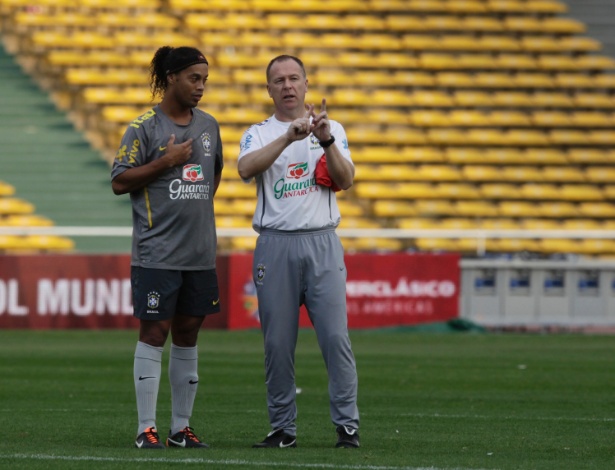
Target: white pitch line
[520,418]
[86,458]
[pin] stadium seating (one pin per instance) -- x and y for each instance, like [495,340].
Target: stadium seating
[497,113]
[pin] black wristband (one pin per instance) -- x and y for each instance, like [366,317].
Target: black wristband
[327,143]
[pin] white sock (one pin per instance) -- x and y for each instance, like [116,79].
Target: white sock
[147,371]
[184,382]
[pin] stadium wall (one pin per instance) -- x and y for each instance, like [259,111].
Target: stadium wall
[93,291]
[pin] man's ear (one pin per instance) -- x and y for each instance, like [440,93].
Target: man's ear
[269,91]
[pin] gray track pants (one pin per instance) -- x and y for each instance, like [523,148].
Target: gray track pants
[291,268]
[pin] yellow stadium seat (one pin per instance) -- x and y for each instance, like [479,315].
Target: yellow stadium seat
[437,61]
[516,209]
[533,80]
[436,244]
[434,208]
[26,220]
[473,98]
[482,173]
[369,78]
[521,173]
[236,189]
[591,119]
[561,25]
[551,119]
[376,154]
[464,155]
[609,192]
[568,174]
[507,245]
[494,80]
[392,191]
[509,118]
[523,137]
[442,22]
[575,80]
[418,223]
[243,243]
[534,44]
[421,154]
[402,23]
[401,135]
[12,244]
[395,98]
[593,100]
[499,191]
[455,42]
[605,137]
[468,118]
[6,189]
[552,100]
[476,61]
[454,79]
[430,118]
[595,246]
[579,43]
[588,155]
[600,174]
[557,209]
[555,62]
[393,208]
[515,61]
[231,221]
[446,137]
[513,99]
[481,23]
[457,223]
[597,209]
[580,192]
[49,243]
[350,97]
[499,224]
[431,99]
[393,60]
[485,137]
[540,224]
[548,156]
[604,80]
[9,206]
[364,22]
[522,23]
[457,191]
[569,137]
[411,78]
[595,62]
[556,245]
[437,173]
[539,191]
[581,224]
[476,209]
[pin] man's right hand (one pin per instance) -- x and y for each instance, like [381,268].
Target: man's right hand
[178,154]
[300,128]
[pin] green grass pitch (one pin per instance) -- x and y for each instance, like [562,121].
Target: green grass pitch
[427,401]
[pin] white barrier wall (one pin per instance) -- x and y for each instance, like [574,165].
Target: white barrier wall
[538,293]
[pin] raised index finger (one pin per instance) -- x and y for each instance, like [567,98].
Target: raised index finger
[323,106]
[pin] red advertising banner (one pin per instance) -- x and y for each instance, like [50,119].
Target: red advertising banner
[93,291]
[381,290]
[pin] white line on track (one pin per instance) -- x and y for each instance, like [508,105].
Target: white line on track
[86,458]
[510,418]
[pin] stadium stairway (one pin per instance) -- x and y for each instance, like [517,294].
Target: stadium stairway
[51,164]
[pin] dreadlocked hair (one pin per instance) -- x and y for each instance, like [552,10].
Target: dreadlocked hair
[157,71]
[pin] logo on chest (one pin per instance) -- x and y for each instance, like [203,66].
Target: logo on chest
[192,172]
[297,170]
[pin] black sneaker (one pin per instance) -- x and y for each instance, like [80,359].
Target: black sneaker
[185,438]
[149,439]
[347,437]
[277,438]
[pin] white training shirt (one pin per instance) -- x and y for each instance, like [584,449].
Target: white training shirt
[288,197]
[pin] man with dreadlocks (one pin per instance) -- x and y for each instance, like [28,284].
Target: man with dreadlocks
[170,161]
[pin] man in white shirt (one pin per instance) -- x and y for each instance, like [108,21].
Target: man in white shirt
[299,159]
